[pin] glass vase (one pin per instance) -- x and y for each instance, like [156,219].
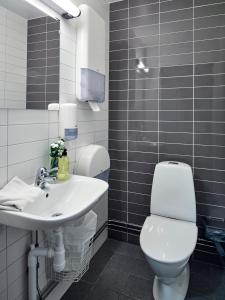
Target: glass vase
[53,165]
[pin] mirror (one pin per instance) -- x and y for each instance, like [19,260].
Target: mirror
[29,56]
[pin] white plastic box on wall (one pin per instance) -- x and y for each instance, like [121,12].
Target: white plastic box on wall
[93,161]
[90,62]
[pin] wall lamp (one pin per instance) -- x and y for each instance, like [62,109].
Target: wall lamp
[71,10]
[44,8]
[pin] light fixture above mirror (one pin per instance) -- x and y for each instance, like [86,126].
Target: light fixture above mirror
[44,8]
[69,10]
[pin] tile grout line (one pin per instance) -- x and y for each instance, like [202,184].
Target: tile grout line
[173,77]
[164,1]
[6,237]
[46,63]
[168,34]
[193,116]
[175,21]
[154,57]
[170,11]
[127,105]
[144,194]
[150,173]
[180,65]
[159,71]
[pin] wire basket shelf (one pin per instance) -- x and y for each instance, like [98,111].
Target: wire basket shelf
[77,263]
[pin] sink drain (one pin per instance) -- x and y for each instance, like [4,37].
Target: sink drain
[57,215]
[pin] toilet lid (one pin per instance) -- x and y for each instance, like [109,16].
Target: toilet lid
[168,240]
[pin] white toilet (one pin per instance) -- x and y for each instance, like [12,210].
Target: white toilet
[168,237]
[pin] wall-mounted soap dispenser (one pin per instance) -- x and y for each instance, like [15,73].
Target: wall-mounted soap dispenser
[67,120]
[90,61]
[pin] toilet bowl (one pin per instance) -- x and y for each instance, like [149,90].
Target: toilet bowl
[169,235]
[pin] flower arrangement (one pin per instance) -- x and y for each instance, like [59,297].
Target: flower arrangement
[56,151]
[57,148]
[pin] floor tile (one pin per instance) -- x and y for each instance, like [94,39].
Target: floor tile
[217,276]
[139,288]
[119,271]
[78,291]
[124,297]
[127,249]
[113,279]
[98,263]
[137,267]
[219,292]
[208,281]
[200,284]
[100,293]
[199,267]
[199,297]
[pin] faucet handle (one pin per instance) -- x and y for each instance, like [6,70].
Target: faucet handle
[52,172]
[53,169]
[43,171]
[50,179]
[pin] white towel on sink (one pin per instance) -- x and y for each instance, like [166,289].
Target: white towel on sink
[17,194]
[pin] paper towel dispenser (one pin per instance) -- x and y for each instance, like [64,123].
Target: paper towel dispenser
[92,86]
[91,57]
[93,161]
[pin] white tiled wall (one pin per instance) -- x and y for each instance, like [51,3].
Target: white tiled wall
[24,145]
[13,59]
[24,139]
[93,127]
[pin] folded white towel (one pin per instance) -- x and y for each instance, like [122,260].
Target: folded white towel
[17,194]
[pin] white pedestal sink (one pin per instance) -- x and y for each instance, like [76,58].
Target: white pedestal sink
[60,203]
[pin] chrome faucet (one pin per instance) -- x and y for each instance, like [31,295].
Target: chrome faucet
[43,177]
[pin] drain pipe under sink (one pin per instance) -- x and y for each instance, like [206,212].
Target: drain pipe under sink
[58,254]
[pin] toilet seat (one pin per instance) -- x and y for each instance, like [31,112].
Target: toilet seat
[168,240]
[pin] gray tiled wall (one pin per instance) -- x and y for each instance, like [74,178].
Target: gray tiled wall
[42,62]
[173,111]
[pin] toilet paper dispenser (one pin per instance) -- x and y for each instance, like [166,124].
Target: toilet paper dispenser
[93,161]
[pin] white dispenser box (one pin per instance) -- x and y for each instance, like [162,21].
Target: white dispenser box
[90,62]
[67,120]
[93,161]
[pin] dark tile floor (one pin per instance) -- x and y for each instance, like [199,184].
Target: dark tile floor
[119,271]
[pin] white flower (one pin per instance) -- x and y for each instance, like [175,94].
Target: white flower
[54,145]
[60,142]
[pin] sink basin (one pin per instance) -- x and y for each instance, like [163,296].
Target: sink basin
[60,203]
